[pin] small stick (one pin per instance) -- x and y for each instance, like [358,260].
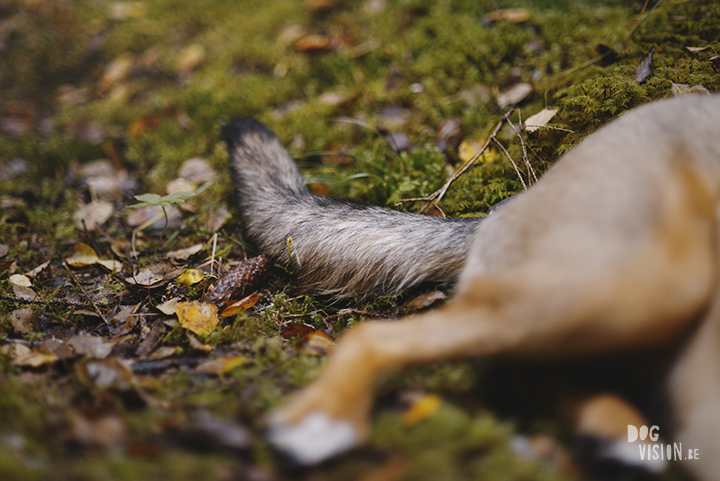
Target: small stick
[82,289]
[438,194]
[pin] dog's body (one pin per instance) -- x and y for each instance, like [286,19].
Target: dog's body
[614,250]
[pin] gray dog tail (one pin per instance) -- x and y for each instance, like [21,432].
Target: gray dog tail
[335,246]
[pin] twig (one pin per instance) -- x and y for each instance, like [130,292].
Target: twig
[440,193]
[526,159]
[507,154]
[82,289]
[38,300]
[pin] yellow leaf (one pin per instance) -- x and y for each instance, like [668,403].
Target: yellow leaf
[83,255]
[198,317]
[221,365]
[421,409]
[469,147]
[190,277]
[24,356]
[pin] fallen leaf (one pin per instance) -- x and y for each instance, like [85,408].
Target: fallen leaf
[38,269]
[107,373]
[241,306]
[24,293]
[313,44]
[24,321]
[20,280]
[155,275]
[513,95]
[540,119]
[190,277]
[24,356]
[125,10]
[107,431]
[511,15]
[117,70]
[90,346]
[643,71]
[318,343]
[190,58]
[162,353]
[90,216]
[697,49]
[84,255]
[425,300]
[185,254]
[198,317]
[196,344]
[221,365]
[197,170]
[218,218]
[4,250]
[469,147]
[168,307]
[205,431]
[421,409]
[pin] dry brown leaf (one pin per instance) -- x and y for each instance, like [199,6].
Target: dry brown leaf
[198,317]
[24,321]
[24,293]
[117,70]
[38,269]
[190,58]
[155,275]
[313,44]
[197,170]
[425,300]
[319,343]
[196,344]
[643,71]
[91,346]
[105,432]
[24,356]
[185,254]
[168,307]
[221,365]
[241,306]
[162,353]
[90,216]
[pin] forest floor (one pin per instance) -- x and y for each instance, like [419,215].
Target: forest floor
[108,368]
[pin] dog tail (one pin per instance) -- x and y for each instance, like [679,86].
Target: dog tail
[335,246]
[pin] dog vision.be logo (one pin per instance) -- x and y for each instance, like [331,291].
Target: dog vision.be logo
[658,451]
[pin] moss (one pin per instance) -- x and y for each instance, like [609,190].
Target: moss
[430,59]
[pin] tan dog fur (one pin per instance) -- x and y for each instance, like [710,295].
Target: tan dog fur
[614,250]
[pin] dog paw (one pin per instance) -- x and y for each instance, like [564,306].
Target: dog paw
[314,438]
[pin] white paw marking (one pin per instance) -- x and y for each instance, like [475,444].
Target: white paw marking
[629,454]
[314,438]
